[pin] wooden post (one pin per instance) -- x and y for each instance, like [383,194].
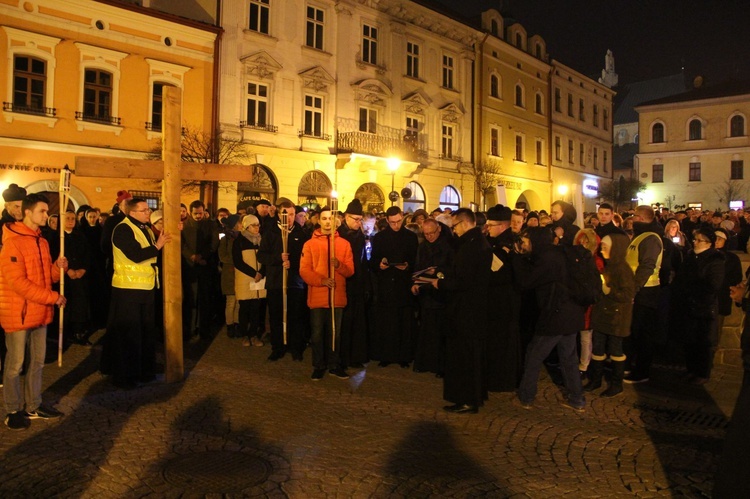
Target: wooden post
[174,370]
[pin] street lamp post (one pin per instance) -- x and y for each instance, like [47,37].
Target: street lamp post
[393,164]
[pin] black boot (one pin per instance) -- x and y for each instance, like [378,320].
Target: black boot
[231,331]
[595,371]
[615,385]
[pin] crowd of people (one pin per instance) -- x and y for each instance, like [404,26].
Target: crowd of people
[482,300]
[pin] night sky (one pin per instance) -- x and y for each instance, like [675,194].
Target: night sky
[649,38]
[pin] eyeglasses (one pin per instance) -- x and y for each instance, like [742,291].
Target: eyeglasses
[432,233]
[699,240]
[356,219]
[457,224]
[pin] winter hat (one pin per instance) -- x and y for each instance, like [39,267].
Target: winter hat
[708,233]
[727,224]
[354,208]
[156,216]
[721,233]
[499,213]
[232,221]
[261,202]
[14,193]
[249,220]
[122,196]
[532,214]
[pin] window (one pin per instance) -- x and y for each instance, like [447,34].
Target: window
[695,130]
[538,51]
[519,40]
[738,170]
[539,149]
[412,126]
[581,110]
[313,116]
[657,174]
[494,86]
[257,104]
[519,96]
[412,60]
[695,172]
[157,107]
[604,160]
[97,95]
[417,199]
[558,149]
[314,34]
[596,158]
[369,44]
[29,84]
[570,152]
[737,126]
[605,121]
[259,16]
[558,99]
[570,105]
[595,116]
[447,141]
[368,120]
[449,198]
[657,133]
[447,71]
[581,154]
[539,104]
[493,27]
[495,141]
[519,148]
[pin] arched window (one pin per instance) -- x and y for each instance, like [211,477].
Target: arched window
[493,29]
[494,86]
[539,106]
[314,189]
[519,96]
[417,199]
[695,130]
[737,126]
[657,133]
[636,138]
[519,40]
[450,198]
[262,186]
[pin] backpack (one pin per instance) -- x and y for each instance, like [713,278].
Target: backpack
[584,281]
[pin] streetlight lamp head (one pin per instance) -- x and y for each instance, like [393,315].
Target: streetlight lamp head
[393,164]
[562,189]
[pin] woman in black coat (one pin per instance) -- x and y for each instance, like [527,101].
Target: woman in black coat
[695,291]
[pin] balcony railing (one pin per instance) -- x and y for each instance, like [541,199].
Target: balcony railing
[94,118]
[451,157]
[386,142]
[312,135]
[153,127]
[259,126]
[39,111]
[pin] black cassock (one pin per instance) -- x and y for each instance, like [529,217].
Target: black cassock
[467,284]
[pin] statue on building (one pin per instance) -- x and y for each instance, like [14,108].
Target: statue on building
[609,77]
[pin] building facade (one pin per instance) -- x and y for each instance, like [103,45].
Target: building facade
[84,78]
[512,114]
[693,147]
[581,136]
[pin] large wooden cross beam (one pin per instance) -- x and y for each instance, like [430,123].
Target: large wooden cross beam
[172,171]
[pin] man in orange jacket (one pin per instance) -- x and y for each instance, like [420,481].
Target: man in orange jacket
[26,307]
[324,273]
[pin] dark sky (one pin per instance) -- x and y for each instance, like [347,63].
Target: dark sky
[649,38]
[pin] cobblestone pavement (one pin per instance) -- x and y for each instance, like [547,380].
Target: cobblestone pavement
[240,426]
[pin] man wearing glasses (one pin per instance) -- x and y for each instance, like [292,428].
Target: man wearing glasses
[645,258]
[394,253]
[354,324]
[129,347]
[466,284]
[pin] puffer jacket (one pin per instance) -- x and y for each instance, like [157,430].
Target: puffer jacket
[26,277]
[314,267]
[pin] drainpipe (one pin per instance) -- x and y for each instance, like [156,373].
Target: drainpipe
[477,94]
[216,132]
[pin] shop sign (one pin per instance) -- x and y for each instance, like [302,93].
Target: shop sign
[30,167]
[591,188]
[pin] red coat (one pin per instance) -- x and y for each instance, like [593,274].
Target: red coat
[314,267]
[26,277]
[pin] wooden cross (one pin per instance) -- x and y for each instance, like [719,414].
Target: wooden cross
[171,170]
